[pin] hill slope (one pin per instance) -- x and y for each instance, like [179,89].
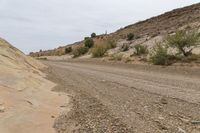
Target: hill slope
[26,99]
[148,31]
[167,22]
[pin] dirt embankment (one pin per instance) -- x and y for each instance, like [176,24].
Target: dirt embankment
[27,104]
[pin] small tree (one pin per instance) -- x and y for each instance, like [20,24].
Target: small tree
[130,36]
[89,42]
[184,41]
[93,35]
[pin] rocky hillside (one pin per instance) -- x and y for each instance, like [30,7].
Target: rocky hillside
[165,23]
[147,32]
[26,99]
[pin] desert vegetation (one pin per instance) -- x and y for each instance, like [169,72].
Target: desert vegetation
[130,36]
[159,55]
[176,47]
[125,47]
[183,42]
[80,50]
[68,50]
[140,49]
[101,48]
[89,42]
[93,35]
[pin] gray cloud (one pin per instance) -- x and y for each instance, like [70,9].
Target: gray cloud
[31,25]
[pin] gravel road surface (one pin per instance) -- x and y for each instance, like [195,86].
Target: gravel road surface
[109,98]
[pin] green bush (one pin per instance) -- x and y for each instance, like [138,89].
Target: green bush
[159,55]
[89,42]
[93,35]
[99,50]
[184,41]
[79,51]
[68,50]
[130,36]
[140,50]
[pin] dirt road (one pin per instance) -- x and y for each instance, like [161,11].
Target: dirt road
[108,98]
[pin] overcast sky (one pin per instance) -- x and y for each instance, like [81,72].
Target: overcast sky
[31,25]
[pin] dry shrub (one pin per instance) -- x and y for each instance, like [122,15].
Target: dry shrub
[100,49]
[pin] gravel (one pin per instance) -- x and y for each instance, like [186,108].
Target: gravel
[109,99]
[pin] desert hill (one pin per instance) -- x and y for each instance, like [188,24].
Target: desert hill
[147,32]
[165,23]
